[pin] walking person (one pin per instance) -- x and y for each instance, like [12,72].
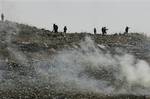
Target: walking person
[65,29]
[95,31]
[55,28]
[2,17]
[127,30]
[104,30]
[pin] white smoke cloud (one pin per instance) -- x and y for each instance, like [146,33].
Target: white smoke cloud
[89,69]
[135,73]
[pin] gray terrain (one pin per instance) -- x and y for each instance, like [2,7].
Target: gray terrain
[39,64]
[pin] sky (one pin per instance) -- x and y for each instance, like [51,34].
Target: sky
[80,15]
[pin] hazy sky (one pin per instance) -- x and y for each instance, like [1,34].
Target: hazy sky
[81,15]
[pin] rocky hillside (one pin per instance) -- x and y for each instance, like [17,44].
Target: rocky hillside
[23,46]
[32,39]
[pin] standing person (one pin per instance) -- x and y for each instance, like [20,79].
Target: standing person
[65,29]
[56,28]
[95,31]
[2,17]
[127,29]
[104,30]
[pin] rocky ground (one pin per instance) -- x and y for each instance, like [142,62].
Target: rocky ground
[19,41]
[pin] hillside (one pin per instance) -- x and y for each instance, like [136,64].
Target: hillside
[33,39]
[39,64]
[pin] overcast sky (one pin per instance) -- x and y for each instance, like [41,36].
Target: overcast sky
[80,15]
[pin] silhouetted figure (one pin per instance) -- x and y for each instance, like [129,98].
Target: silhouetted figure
[55,28]
[65,29]
[104,30]
[2,17]
[126,29]
[95,31]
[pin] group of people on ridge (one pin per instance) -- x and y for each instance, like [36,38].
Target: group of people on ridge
[104,30]
[55,28]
